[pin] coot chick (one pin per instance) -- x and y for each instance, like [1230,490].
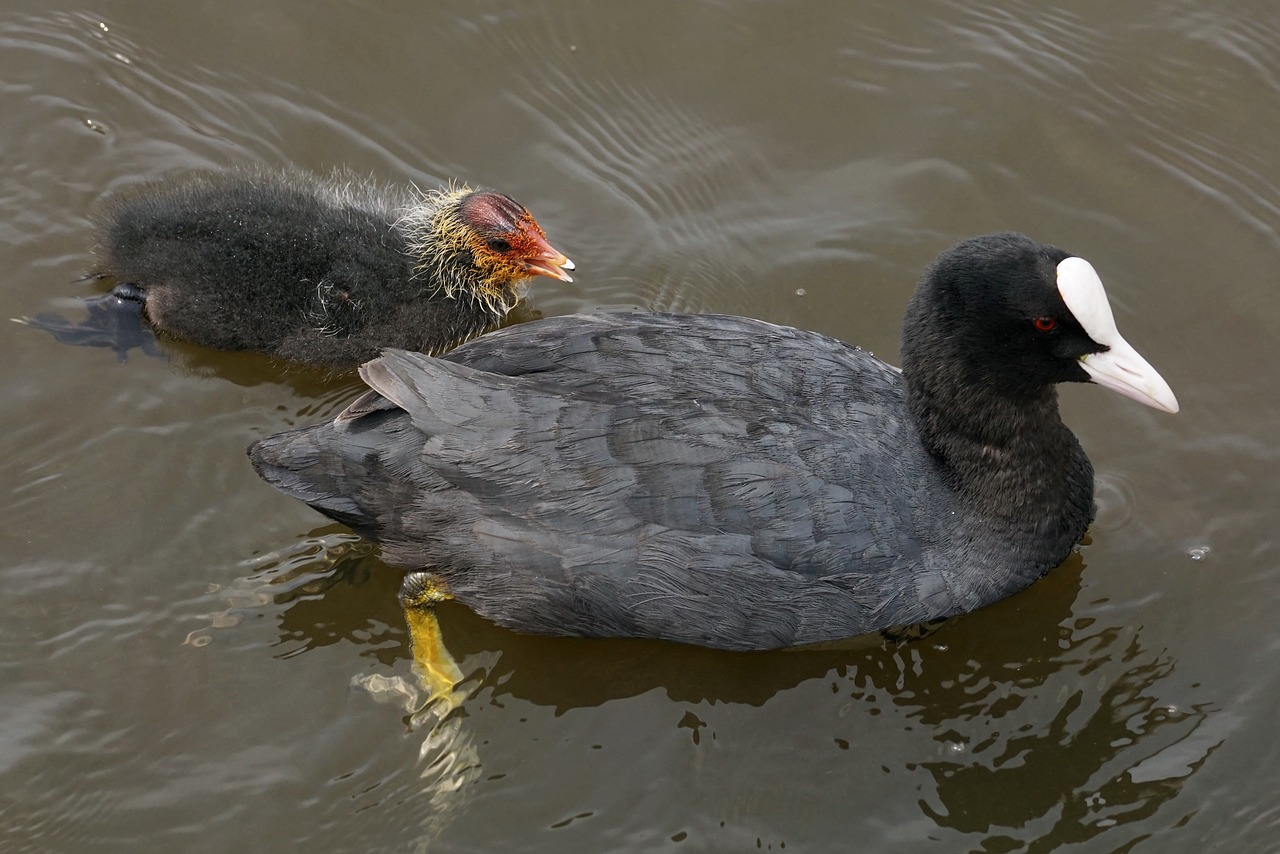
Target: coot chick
[731,483]
[321,271]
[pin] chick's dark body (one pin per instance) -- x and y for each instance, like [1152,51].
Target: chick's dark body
[304,268]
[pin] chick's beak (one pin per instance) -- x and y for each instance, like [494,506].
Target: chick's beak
[545,260]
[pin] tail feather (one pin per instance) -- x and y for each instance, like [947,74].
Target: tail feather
[420,384]
[291,462]
[303,465]
[352,472]
[401,463]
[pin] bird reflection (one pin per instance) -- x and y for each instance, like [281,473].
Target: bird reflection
[1081,772]
[328,588]
[117,325]
[1108,749]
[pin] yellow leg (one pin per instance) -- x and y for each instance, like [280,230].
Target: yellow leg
[437,672]
[448,753]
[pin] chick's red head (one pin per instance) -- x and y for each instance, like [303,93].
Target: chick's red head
[506,241]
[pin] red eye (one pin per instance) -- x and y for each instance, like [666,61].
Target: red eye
[1045,324]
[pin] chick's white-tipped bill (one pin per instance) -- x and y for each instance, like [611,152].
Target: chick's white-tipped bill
[546,260]
[1120,367]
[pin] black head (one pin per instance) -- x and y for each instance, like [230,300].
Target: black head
[990,308]
[1006,314]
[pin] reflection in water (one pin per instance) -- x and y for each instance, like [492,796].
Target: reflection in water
[118,325]
[1043,729]
[1046,726]
[1048,729]
[297,579]
[327,588]
[708,155]
[1077,774]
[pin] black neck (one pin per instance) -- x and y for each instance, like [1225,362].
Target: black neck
[1005,453]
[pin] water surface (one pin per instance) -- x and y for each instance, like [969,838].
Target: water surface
[190,661]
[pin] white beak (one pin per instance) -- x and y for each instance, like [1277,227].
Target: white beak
[1119,367]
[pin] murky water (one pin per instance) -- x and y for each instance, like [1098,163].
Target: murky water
[190,661]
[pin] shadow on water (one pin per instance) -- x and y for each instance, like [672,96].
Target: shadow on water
[117,325]
[108,322]
[1023,698]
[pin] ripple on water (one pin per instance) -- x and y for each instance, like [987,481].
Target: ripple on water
[692,187]
[698,214]
[1039,722]
[1157,111]
[1115,497]
[122,102]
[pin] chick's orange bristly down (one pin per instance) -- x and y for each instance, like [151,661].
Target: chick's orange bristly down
[486,243]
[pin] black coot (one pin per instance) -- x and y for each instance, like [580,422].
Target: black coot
[731,483]
[321,271]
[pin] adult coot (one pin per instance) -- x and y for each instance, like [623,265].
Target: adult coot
[727,482]
[323,271]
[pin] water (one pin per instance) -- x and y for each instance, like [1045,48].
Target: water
[190,661]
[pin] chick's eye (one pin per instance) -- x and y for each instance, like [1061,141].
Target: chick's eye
[1045,324]
[497,244]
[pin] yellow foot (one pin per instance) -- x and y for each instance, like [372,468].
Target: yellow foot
[438,674]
